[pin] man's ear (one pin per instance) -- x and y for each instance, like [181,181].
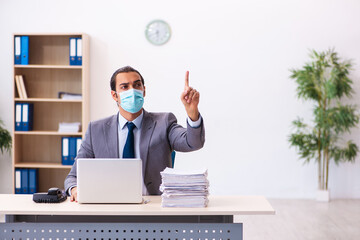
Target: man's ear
[114,95]
[144,91]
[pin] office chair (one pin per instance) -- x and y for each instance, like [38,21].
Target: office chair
[173,158]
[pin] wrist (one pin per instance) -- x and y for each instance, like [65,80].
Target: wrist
[194,116]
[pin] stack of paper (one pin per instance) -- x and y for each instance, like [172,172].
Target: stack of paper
[184,188]
[69,96]
[69,127]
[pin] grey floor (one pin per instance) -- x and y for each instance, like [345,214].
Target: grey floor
[303,219]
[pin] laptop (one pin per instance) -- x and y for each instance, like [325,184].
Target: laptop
[109,180]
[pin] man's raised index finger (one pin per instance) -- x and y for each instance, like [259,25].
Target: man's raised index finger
[187,79]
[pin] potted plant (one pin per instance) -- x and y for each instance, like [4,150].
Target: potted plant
[325,81]
[5,139]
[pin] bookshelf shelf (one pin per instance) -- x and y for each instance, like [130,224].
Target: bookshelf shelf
[41,165]
[47,74]
[48,66]
[56,100]
[53,133]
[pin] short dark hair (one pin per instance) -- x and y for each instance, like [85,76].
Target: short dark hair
[125,69]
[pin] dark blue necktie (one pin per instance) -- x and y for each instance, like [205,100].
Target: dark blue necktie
[129,151]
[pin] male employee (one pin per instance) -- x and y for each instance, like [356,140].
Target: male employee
[134,132]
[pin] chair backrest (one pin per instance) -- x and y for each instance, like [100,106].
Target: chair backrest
[173,158]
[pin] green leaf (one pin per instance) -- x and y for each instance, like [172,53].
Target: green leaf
[345,154]
[306,145]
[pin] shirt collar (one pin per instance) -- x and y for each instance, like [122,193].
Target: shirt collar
[137,121]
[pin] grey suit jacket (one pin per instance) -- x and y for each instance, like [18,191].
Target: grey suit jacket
[160,135]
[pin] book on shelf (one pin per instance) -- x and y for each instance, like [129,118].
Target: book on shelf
[24,50]
[21,80]
[27,116]
[18,116]
[21,50]
[24,181]
[17,50]
[79,51]
[20,85]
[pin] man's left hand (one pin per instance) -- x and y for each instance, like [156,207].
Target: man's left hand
[190,98]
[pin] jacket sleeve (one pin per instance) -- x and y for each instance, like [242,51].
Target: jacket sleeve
[85,151]
[185,139]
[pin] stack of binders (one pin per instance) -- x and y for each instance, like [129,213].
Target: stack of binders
[24,116]
[21,50]
[75,51]
[184,188]
[69,148]
[26,181]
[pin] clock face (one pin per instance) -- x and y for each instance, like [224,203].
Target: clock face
[158,32]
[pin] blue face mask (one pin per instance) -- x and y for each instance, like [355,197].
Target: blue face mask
[132,100]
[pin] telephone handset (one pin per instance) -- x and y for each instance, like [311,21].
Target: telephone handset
[54,195]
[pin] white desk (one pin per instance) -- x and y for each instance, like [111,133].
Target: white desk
[127,221]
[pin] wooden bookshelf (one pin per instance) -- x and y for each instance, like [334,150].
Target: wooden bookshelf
[47,74]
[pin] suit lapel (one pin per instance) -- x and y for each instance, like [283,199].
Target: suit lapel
[147,128]
[111,137]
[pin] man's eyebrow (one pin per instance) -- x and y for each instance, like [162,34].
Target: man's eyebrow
[121,84]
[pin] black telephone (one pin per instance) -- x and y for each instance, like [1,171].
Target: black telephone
[54,195]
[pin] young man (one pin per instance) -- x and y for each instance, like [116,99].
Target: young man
[153,136]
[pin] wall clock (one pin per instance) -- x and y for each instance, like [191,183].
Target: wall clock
[158,32]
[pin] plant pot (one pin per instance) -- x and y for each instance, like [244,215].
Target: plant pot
[323,196]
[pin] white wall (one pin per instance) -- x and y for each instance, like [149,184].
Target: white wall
[239,54]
